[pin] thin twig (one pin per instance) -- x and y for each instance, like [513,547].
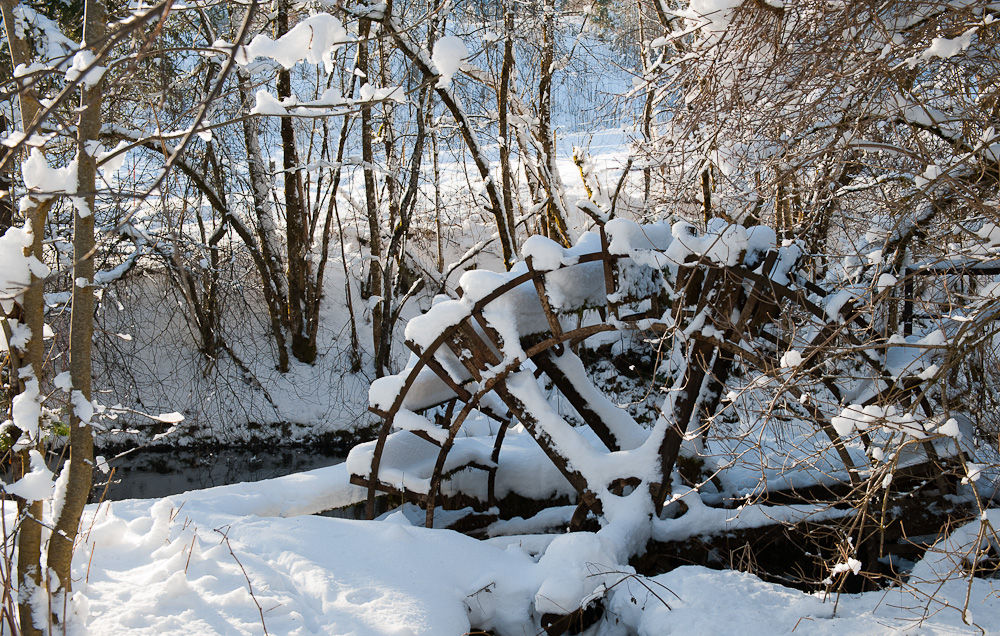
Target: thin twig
[225,537]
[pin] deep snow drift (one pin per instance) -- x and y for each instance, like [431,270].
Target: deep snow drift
[233,559]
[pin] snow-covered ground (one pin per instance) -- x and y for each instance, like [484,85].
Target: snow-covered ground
[237,559]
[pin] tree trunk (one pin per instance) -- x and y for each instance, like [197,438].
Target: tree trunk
[296,225]
[6,187]
[29,535]
[706,193]
[272,271]
[506,176]
[371,207]
[437,201]
[555,219]
[67,519]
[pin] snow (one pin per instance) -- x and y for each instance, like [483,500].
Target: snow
[760,239]
[713,15]
[83,61]
[424,329]
[947,47]
[935,338]
[885,281]
[697,600]
[14,269]
[110,161]
[545,254]
[551,517]
[314,40]
[626,236]
[575,565]
[204,561]
[950,428]
[37,485]
[63,381]
[701,520]
[791,358]
[722,243]
[311,574]
[860,418]
[728,243]
[913,355]
[101,463]
[788,255]
[450,53]
[43,179]
[169,418]
[20,334]
[973,471]
[57,495]
[267,104]
[82,407]
[383,391]
[407,420]
[833,304]
[852,565]
[369,93]
[26,410]
[931,173]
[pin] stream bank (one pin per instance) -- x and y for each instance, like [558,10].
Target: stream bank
[147,473]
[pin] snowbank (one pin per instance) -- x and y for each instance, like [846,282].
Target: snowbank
[188,564]
[233,559]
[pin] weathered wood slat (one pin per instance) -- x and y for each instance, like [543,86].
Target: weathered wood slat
[578,402]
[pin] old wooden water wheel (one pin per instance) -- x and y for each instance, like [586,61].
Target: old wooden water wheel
[706,302]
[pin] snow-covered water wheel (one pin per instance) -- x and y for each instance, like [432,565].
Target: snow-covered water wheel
[483,351]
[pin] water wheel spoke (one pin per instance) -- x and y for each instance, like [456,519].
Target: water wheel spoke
[536,429]
[545,362]
[688,390]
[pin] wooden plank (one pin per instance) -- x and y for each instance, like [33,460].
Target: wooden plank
[434,365]
[530,423]
[684,406]
[610,287]
[754,297]
[908,301]
[538,279]
[494,383]
[582,406]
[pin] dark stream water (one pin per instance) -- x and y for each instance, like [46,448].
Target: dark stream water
[144,474]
